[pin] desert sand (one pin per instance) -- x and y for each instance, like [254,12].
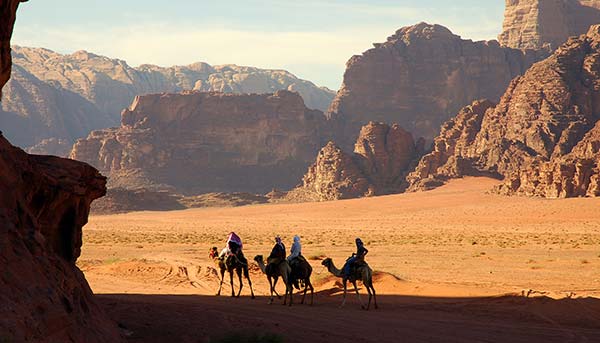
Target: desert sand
[454,264]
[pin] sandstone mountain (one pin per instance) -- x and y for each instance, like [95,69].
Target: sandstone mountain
[542,136]
[34,110]
[44,202]
[537,24]
[196,142]
[382,156]
[64,97]
[420,77]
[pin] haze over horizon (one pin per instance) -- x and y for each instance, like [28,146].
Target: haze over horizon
[313,39]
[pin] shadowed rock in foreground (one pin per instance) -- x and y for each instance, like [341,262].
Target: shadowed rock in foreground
[44,202]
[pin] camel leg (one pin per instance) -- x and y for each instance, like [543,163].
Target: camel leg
[304,294]
[221,283]
[291,291]
[271,286]
[239,274]
[358,295]
[368,287]
[247,275]
[374,296]
[274,289]
[344,296]
[312,292]
[288,289]
[231,282]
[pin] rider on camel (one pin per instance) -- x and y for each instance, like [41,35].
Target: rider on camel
[233,247]
[296,251]
[277,253]
[359,256]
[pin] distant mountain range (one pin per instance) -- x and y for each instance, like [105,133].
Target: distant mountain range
[54,99]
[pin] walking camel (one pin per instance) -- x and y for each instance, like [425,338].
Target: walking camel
[282,270]
[239,264]
[301,272]
[362,272]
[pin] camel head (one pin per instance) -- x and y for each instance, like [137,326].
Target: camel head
[258,259]
[327,262]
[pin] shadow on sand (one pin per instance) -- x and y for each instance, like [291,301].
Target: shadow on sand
[189,318]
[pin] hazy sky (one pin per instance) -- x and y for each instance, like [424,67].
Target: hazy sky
[312,39]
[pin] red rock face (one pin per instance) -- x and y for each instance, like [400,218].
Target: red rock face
[537,24]
[420,77]
[205,142]
[573,175]
[334,175]
[8,13]
[449,148]
[44,203]
[540,136]
[382,156]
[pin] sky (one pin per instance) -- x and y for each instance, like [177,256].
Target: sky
[312,39]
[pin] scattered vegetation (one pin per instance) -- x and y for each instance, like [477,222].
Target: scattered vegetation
[112,260]
[317,257]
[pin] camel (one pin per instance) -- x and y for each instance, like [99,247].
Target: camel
[283,270]
[301,271]
[362,272]
[239,264]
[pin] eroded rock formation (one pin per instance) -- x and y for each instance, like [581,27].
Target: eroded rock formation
[44,202]
[196,142]
[382,156]
[537,24]
[575,175]
[541,135]
[455,141]
[420,77]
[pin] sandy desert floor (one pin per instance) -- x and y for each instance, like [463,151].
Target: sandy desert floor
[454,264]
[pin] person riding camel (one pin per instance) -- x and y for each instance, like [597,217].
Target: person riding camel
[233,247]
[213,253]
[296,251]
[295,258]
[277,253]
[359,256]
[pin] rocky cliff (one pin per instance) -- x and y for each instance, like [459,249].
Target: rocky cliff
[537,24]
[44,202]
[196,142]
[575,175]
[540,136]
[34,111]
[64,97]
[447,158]
[420,77]
[382,156]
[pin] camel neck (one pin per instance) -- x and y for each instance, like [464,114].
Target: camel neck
[333,270]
